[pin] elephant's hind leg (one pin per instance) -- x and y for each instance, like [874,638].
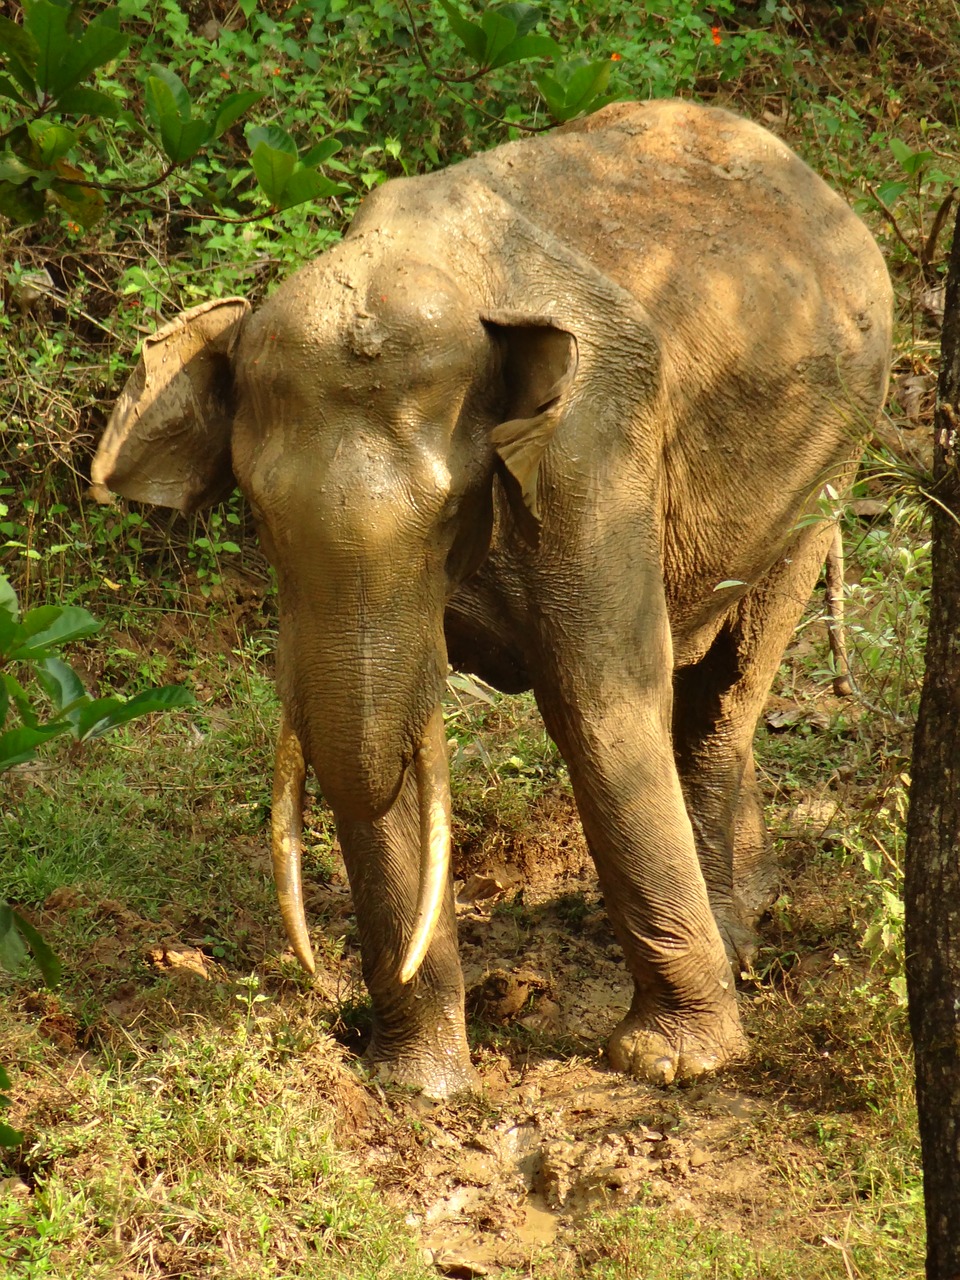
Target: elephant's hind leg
[717,703]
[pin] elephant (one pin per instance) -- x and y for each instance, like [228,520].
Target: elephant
[559,415]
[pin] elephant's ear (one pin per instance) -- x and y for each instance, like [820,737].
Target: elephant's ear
[539,364]
[168,438]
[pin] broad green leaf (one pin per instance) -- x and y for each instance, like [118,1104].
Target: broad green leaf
[891,191]
[909,160]
[9,90]
[103,714]
[321,152]
[9,632]
[12,950]
[21,202]
[4,1078]
[14,170]
[470,34]
[20,51]
[89,102]
[588,83]
[60,683]
[272,136]
[20,699]
[273,156]
[49,627]
[575,88]
[100,42]
[4,704]
[499,33]
[9,604]
[47,23]
[230,111]
[524,16]
[51,140]
[46,961]
[10,1137]
[527,47]
[183,138]
[19,745]
[166,94]
[306,184]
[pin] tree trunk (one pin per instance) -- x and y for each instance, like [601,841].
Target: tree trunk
[932,887]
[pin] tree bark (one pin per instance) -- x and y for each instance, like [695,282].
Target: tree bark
[932,863]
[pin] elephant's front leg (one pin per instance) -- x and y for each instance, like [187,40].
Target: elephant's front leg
[419,1035]
[615,737]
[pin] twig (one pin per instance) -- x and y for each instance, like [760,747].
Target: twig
[888,214]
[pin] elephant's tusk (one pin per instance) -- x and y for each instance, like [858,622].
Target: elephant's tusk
[433,789]
[289,776]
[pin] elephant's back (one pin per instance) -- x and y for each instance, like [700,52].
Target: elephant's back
[696,210]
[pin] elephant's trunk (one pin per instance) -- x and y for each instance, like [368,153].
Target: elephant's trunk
[433,787]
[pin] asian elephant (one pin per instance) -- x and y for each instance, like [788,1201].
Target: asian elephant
[559,415]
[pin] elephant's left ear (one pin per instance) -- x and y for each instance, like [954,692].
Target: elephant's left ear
[539,364]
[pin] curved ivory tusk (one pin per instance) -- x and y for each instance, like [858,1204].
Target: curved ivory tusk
[289,777]
[433,789]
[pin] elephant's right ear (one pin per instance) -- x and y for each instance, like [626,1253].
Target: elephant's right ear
[539,363]
[168,438]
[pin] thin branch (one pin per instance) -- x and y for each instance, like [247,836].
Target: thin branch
[888,214]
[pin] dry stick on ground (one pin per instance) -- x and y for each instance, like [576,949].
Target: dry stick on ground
[932,885]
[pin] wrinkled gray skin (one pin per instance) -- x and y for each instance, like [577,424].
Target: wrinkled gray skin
[686,334]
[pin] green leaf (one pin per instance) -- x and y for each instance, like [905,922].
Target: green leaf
[49,627]
[47,23]
[46,961]
[302,185]
[9,604]
[575,88]
[10,1137]
[19,745]
[21,204]
[51,140]
[101,42]
[499,33]
[21,52]
[18,696]
[169,108]
[89,102]
[101,715]
[231,109]
[909,160]
[273,156]
[524,16]
[60,683]
[14,170]
[12,951]
[526,47]
[470,34]
[321,152]
[9,90]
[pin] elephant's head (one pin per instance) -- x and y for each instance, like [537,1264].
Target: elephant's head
[364,411]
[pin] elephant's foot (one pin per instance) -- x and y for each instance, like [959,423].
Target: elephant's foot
[663,1051]
[434,1072]
[739,937]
